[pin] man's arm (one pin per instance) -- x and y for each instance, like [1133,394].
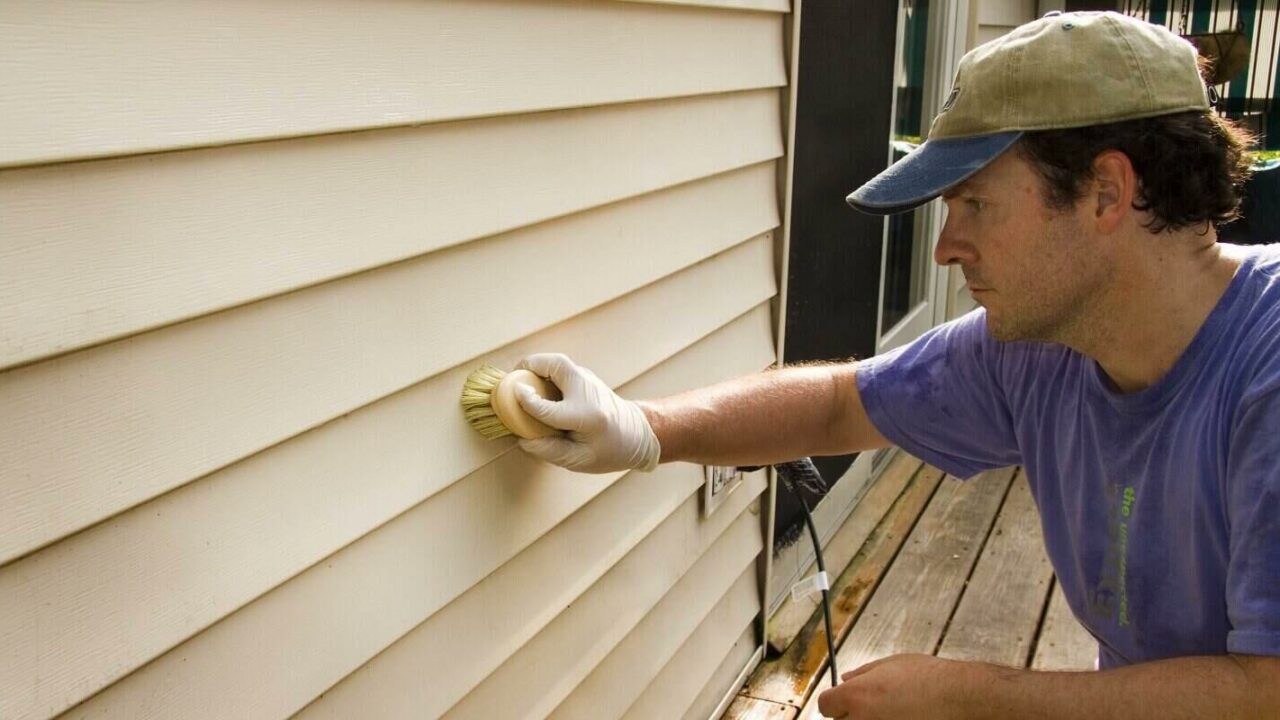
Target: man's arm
[909,686]
[760,419]
[766,418]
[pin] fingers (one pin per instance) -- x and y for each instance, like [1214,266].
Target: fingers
[556,366]
[539,408]
[831,704]
[555,450]
[838,701]
[862,669]
[590,375]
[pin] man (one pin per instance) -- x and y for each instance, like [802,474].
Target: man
[1121,355]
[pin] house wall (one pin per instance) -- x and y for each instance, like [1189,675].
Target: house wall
[250,253]
[998,17]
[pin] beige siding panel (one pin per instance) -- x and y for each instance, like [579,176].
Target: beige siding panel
[281,651]
[765,5]
[997,17]
[460,645]
[618,680]
[97,251]
[546,669]
[728,677]
[987,33]
[94,79]
[89,609]
[90,434]
[685,674]
[1007,13]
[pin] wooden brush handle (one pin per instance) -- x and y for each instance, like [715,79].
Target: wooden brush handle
[508,410]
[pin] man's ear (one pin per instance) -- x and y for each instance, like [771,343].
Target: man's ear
[1112,192]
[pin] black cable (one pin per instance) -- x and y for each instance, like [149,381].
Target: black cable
[797,476]
[826,594]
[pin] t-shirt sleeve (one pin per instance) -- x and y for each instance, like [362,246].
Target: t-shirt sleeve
[939,398]
[1253,571]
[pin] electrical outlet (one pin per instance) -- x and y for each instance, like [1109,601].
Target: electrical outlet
[720,481]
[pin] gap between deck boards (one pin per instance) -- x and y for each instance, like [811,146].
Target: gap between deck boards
[950,568]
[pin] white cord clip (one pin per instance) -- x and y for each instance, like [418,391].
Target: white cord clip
[811,586]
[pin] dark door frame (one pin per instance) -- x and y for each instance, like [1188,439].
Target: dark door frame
[842,121]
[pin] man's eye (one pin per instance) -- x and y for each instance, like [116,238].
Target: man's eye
[975,203]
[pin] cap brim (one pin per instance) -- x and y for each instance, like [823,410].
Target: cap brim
[928,171]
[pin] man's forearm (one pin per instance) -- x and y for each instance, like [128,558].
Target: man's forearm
[765,418]
[1224,687]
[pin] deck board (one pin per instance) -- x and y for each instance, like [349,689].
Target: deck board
[1000,611]
[914,603]
[912,606]
[794,613]
[790,678]
[971,581]
[1064,643]
[749,708]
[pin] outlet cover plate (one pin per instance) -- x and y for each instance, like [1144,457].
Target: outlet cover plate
[720,481]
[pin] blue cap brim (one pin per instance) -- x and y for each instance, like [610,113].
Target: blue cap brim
[928,171]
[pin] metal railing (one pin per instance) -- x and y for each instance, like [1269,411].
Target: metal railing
[1241,40]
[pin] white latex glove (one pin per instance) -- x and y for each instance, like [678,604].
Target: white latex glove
[604,432]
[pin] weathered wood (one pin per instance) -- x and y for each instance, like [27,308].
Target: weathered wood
[910,609]
[790,678]
[749,708]
[1064,644]
[1000,610]
[791,617]
[832,510]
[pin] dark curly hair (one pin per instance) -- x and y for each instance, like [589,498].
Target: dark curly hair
[1191,166]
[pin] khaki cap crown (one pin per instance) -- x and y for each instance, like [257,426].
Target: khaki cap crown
[1072,70]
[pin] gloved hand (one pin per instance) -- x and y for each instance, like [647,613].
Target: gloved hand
[605,432]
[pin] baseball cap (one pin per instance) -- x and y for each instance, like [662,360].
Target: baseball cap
[1064,70]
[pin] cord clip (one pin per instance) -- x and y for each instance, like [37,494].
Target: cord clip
[811,586]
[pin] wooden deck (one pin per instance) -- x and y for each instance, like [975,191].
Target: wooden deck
[933,565]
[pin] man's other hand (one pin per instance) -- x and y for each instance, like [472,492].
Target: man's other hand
[900,687]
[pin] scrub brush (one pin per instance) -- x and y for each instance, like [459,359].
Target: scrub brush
[490,405]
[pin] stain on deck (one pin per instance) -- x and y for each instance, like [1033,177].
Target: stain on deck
[949,568]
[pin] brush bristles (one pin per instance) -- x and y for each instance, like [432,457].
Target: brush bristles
[477,393]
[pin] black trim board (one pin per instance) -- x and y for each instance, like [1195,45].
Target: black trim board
[842,127]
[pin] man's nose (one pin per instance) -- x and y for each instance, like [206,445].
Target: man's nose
[953,247]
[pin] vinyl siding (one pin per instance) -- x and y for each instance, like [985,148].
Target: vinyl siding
[84,272]
[160,75]
[998,17]
[250,255]
[745,655]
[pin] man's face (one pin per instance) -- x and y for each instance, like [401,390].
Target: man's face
[1033,268]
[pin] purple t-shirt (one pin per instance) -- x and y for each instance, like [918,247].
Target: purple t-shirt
[1160,508]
